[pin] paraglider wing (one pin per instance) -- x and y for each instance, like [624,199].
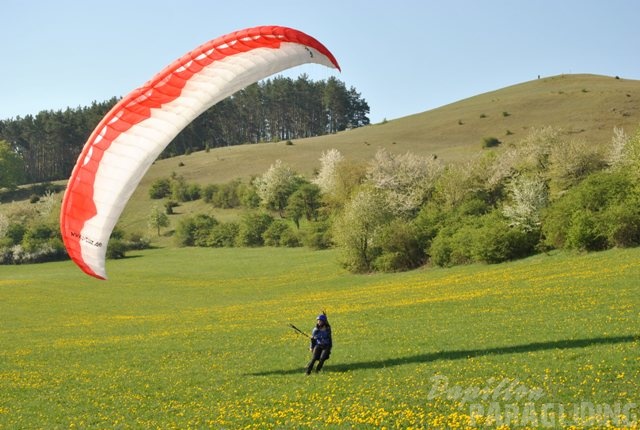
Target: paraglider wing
[132,135]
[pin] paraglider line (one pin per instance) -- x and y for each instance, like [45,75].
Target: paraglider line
[299,331]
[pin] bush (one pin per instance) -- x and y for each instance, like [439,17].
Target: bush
[490,142]
[290,238]
[137,241]
[52,250]
[495,241]
[116,249]
[280,233]
[6,254]
[623,225]
[183,192]
[585,233]
[160,189]
[36,236]
[488,239]
[231,195]
[224,235]
[318,236]
[209,192]
[272,236]
[248,196]
[195,231]
[117,233]
[15,233]
[194,192]
[401,249]
[599,213]
[450,247]
[429,221]
[252,227]
[226,195]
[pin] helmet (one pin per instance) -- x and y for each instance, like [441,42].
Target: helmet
[322,317]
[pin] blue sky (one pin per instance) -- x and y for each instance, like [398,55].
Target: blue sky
[403,56]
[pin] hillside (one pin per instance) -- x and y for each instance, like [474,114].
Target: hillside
[584,106]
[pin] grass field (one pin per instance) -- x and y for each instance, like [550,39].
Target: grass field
[198,338]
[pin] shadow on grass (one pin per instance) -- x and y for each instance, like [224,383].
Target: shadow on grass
[463,354]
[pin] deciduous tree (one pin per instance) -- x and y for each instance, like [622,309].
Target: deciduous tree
[11,166]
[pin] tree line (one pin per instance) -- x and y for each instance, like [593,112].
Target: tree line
[402,211]
[396,211]
[47,144]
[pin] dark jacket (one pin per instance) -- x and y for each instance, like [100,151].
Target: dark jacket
[321,336]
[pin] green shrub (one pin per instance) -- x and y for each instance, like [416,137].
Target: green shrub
[15,232]
[226,196]
[585,232]
[224,235]
[490,142]
[194,192]
[252,227]
[318,236]
[116,249]
[485,239]
[36,236]
[273,235]
[599,213]
[439,247]
[137,241]
[401,248]
[622,223]
[179,190]
[117,233]
[160,189]
[290,238]
[494,241]
[209,192]
[248,196]
[195,231]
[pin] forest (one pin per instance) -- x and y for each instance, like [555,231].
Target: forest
[46,145]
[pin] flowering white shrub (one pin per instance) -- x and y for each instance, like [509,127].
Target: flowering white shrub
[327,175]
[276,185]
[528,196]
[405,180]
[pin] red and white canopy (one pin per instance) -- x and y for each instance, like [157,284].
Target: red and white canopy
[132,135]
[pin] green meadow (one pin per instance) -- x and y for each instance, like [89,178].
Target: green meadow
[199,338]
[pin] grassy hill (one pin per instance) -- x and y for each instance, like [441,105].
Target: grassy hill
[583,106]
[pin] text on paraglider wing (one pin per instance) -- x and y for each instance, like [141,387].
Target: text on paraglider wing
[86,239]
[309,51]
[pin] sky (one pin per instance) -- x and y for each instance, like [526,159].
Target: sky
[402,56]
